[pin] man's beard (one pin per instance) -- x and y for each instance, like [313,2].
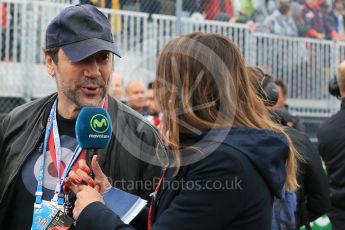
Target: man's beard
[74,94]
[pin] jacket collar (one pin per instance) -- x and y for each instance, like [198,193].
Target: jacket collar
[47,109]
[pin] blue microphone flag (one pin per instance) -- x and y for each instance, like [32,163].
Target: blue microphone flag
[93,128]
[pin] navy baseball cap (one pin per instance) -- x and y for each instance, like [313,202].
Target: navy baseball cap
[81,31]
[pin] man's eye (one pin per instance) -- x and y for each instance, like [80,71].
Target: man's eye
[104,56]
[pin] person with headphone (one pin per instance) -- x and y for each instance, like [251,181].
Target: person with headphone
[282,109]
[331,137]
[313,195]
[276,91]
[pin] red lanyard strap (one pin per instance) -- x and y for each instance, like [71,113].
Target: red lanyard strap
[53,153]
[153,200]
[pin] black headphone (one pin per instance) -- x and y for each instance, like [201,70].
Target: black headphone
[333,87]
[270,92]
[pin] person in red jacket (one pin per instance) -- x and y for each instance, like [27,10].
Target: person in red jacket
[215,8]
[3,15]
[320,28]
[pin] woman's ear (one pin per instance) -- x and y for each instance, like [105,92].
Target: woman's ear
[50,65]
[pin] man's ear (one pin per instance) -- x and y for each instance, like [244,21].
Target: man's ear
[285,97]
[50,65]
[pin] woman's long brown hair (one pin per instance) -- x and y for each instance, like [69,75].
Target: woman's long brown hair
[202,83]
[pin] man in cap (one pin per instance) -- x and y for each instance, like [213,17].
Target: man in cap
[37,140]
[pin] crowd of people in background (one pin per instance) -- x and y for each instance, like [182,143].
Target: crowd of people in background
[320,19]
[137,96]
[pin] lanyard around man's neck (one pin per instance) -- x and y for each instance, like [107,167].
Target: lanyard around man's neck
[52,140]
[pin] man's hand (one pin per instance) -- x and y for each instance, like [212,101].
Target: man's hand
[85,196]
[82,177]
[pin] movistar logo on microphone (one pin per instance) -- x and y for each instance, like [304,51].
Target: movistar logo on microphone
[93,128]
[99,124]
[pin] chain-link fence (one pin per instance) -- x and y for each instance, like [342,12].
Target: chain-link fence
[305,65]
[166,7]
[9,103]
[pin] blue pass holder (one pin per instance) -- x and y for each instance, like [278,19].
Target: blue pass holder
[43,216]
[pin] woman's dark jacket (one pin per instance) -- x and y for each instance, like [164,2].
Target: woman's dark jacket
[231,187]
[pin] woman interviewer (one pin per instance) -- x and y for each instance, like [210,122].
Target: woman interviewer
[230,158]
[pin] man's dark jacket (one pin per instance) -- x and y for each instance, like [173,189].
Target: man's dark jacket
[133,139]
[331,136]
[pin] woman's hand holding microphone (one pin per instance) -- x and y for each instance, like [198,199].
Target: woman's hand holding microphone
[87,190]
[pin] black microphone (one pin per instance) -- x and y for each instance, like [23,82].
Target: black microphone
[93,130]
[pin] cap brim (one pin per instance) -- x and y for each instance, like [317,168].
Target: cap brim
[80,50]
